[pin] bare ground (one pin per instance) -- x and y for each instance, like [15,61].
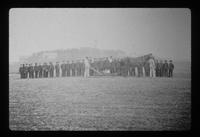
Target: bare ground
[99,103]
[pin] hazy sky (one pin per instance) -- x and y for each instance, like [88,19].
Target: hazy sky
[165,32]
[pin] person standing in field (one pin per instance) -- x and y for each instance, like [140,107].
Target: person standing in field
[68,68]
[152,67]
[65,68]
[171,68]
[21,71]
[32,71]
[147,68]
[157,68]
[143,71]
[57,67]
[46,70]
[82,67]
[26,71]
[40,70]
[162,68]
[36,70]
[87,67]
[166,67]
[72,68]
[51,69]
[29,71]
[76,68]
[136,71]
[62,68]
[43,70]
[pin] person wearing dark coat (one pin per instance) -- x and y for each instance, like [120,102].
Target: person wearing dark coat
[26,71]
[82,66]
[162,69]
[45,70]
[36,70]
[67,65]
[157,68]
[73,68]
[40,70]
[31,71]
[57,67]
[51,70]
[62,66]
[166,67]
[171,68]
[21,71]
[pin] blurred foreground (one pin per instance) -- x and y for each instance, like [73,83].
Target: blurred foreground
[99,103]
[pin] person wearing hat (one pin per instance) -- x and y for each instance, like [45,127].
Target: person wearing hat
[152,67]
[171,68]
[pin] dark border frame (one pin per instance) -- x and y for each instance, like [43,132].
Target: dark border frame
[96,4]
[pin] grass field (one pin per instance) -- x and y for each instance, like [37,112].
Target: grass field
[99,103]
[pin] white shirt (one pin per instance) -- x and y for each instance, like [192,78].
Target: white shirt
[151,63]
[87,64]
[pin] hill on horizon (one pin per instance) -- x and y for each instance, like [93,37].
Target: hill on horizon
[71,54]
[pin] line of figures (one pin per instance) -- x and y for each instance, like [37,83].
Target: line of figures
[149,67]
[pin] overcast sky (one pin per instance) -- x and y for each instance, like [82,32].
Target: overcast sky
[165,32]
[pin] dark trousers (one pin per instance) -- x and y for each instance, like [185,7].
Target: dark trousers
[36,74]
[51,73]
[162,73]
[82,72]
[45,74]
[157,73]
[73,72]
[40,74]
[57,73]
[68,72]
[25,74]
[63,73]
[166,73]
[170,73]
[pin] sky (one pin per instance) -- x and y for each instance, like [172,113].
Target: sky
[164,32]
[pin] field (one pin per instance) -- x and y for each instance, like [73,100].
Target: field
[99,103]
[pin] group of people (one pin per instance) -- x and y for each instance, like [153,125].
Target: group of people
[149,67]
